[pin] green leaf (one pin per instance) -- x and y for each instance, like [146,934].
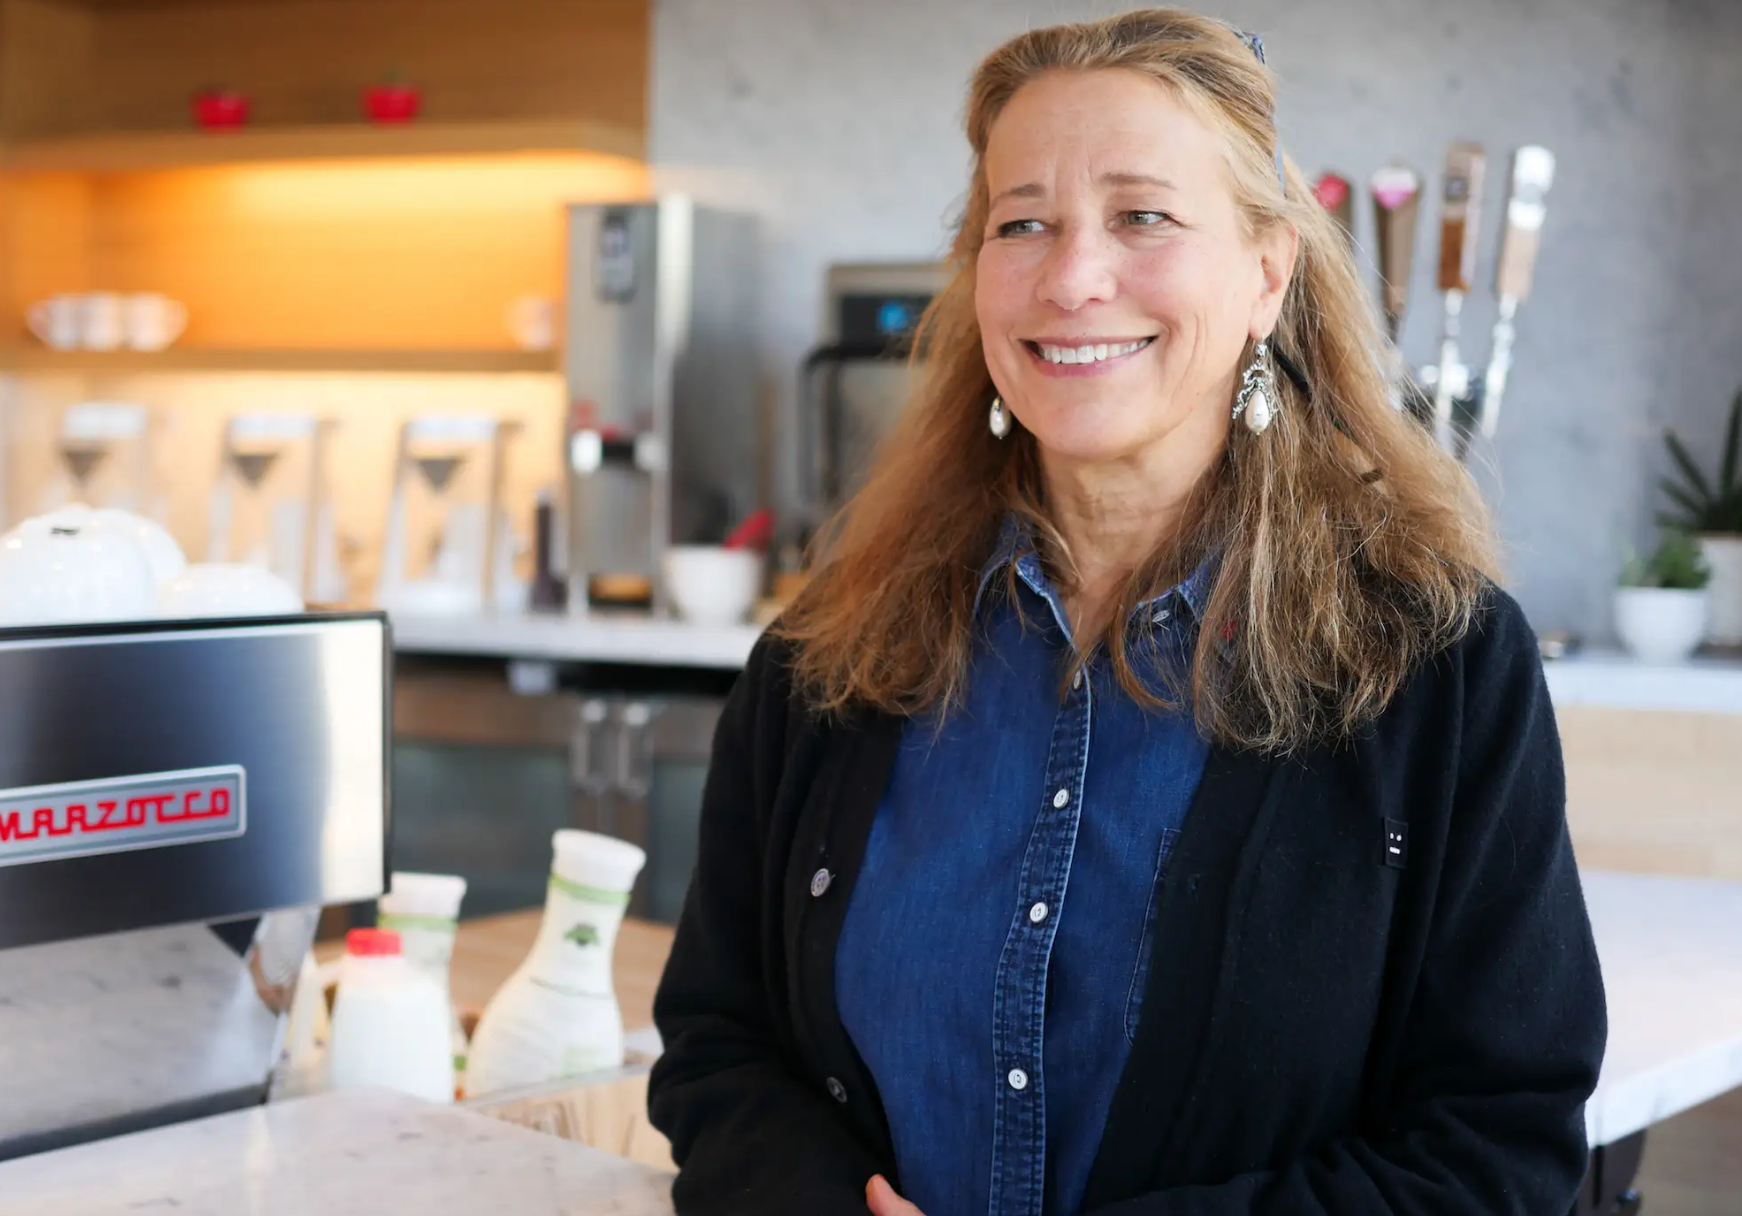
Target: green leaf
[1676,564]
[1689,469]
[1685,500]
[1732,450]
[1725,515]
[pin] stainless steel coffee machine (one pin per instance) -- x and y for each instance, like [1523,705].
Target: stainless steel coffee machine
[853,387]
[177,801]
[660,357]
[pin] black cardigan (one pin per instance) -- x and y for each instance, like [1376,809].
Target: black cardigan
[1330,1027]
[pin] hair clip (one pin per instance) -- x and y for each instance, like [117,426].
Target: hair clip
[1255,44]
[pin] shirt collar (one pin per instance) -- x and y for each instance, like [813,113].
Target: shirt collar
[1016,542]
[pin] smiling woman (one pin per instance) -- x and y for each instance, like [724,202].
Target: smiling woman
[1150,805]
[1126,193]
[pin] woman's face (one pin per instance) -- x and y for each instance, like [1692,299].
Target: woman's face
[1116,286]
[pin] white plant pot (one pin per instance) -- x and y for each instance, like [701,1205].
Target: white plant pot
[1660,626]
[1723,555]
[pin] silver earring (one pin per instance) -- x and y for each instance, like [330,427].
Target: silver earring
[1257,398]
[999,418]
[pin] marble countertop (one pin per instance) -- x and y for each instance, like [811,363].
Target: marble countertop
[615,638]
[1671,950]
[1593,677]
[1612,679]
[1670,960]
[349,1154]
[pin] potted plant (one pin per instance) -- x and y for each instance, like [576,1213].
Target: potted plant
[1660,606]
[1712,511]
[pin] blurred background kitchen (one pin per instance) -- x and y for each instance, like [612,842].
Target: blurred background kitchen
[556,327]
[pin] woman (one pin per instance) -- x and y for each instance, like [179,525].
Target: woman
[1150,806]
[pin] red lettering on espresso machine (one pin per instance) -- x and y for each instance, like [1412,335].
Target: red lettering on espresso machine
[80,818]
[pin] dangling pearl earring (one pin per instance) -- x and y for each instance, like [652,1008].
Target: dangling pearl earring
[999,418]
[1257,398]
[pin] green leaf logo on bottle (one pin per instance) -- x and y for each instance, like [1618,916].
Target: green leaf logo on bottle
[583,934]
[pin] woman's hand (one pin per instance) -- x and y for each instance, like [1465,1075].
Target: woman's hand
[881,1198]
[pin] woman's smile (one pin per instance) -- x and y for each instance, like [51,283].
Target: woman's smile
[1084,355]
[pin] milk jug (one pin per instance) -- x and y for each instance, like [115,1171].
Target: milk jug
[557,1015]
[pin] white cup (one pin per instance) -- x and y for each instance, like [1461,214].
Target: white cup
[532,322]
[102,321]
[152,321]
[58,320]
[712,585]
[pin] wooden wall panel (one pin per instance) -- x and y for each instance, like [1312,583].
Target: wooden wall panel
[1654,791]
[45,67]
[304,61]
[45,243]
[416,255]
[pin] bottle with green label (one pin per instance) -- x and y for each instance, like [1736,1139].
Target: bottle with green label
[424,909]
[557,1015]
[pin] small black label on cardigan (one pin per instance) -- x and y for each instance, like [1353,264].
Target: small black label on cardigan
[1396,843]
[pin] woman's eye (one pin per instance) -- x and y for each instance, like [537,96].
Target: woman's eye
[1146,219]
[1018,228]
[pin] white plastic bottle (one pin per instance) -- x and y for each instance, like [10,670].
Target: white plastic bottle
[424,909]
[390,1023]
[557,1015]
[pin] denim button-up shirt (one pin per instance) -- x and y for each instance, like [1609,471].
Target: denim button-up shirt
[994,953]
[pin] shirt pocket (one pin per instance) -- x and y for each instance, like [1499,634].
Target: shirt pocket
[1146,944]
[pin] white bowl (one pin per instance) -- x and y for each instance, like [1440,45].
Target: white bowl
[1657,625]
[709,585]
[70,566]
[432,597]
[221,589]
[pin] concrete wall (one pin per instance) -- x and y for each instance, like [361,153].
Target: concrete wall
[839,120]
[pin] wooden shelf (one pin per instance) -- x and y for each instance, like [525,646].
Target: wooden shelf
[214,359]
[126,152]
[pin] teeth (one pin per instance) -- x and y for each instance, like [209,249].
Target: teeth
[1091,354]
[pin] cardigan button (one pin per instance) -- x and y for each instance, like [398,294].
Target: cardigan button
[837,1091]
[820,883]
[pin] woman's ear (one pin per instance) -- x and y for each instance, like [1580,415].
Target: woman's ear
[1277,248]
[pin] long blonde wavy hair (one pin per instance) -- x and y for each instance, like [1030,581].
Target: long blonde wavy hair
[1349,547]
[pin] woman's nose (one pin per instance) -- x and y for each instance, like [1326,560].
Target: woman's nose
[1079,269]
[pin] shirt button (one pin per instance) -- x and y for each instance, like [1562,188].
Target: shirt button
[1161,616]
[1037,913]
[1077,680]
[1059,799]
[820,883]
[1018,1079]
[837,1091]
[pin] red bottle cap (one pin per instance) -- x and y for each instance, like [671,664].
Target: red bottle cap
[372,943]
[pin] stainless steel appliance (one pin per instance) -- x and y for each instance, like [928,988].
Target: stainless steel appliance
[177,800]
[854,385]
[483,775]
[660,358]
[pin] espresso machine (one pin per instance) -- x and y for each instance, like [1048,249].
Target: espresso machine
[177,801]
[663,438]
[853,387]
